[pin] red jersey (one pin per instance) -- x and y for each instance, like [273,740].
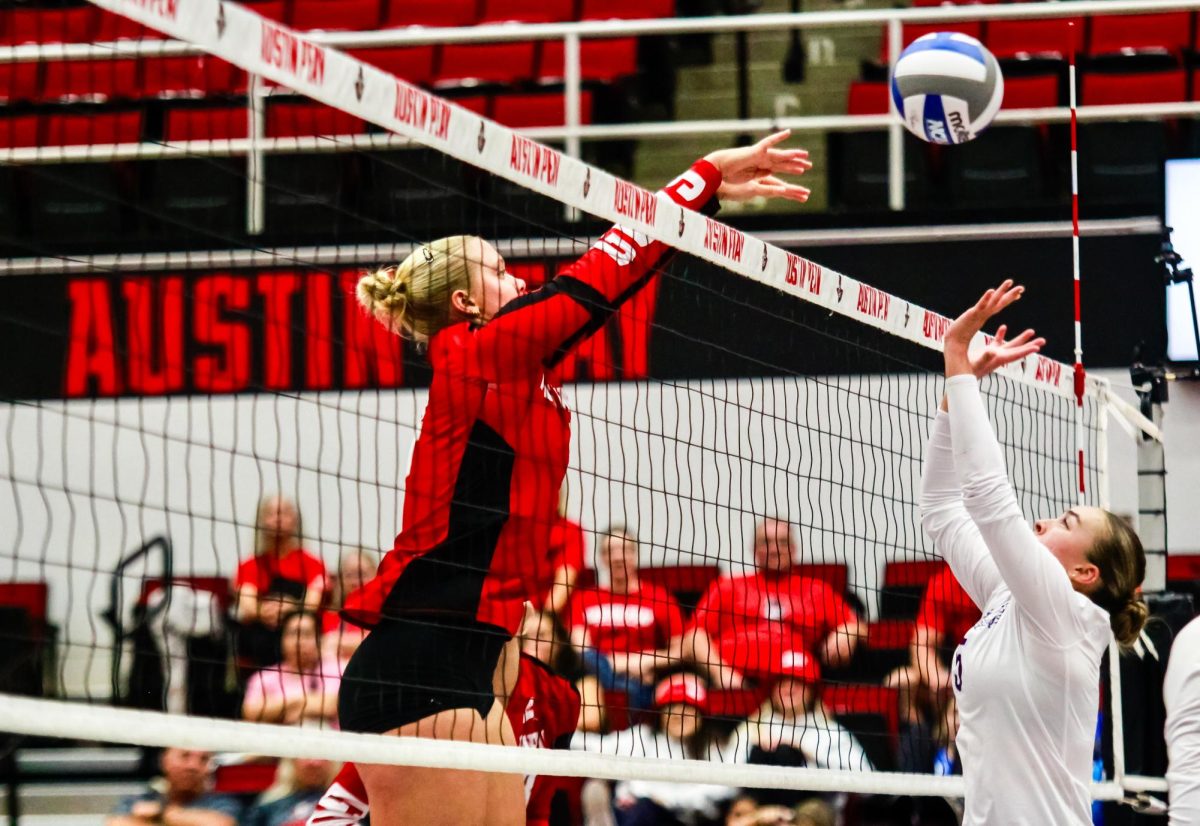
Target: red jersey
[644,620]
[566,544]
[297,565]
[799,609]
[946,608]
[482,492]
[543,711]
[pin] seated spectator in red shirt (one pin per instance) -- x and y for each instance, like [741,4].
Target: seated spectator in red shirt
[340,638]
[926,695]
[181,797]
[299,785]
[624,631]
[279,578]
[773,608]
[566,551]
[299,689]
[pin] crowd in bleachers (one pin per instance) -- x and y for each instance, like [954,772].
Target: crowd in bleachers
[776,665]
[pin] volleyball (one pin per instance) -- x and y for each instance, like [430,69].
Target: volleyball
[947,87]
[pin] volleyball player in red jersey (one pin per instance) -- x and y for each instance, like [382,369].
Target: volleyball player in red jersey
[542,710]
[482,490]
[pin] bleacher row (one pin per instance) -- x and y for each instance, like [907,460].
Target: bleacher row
[518,83]
[1123,59]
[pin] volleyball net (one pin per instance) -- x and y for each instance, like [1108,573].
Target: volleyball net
[748,414]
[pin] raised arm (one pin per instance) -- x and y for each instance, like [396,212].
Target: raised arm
[538,329]
[947,522]
[1039,584]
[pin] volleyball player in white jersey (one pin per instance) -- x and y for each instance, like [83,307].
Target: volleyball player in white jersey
[1027,675]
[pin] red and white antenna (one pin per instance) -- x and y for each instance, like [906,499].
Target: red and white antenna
[1079,373]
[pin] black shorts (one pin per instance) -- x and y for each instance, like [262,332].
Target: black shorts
[412,667]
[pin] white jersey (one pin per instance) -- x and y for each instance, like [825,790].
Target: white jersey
[1027,675]
[1181,696]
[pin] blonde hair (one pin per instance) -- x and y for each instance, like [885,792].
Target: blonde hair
[412,298]
[1122,562]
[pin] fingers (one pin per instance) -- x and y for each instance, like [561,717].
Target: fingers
[774,138]
[773,187]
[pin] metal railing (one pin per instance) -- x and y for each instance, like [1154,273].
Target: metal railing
[572,133]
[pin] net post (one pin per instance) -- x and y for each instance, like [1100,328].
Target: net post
[256,178]
[572,73]
[1102,486]
[895,36]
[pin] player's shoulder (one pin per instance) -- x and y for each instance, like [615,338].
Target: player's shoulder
[450,342]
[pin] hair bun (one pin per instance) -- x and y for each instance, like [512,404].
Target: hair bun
[383,293]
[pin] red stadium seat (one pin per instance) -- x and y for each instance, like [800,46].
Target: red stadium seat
[245,778]
[33,597]
[293,120]
[111,27]
[626,9]
[336,15]
[849,699]
[270,9]
[193,76]
[79,129]
[224,123]
[832,572]
[889,634]
[470,63]
[1114,33]
[903,585]
[1037,92]
[1033,38]
[479,104]
[602,60]
[19,81]
[17,131]
[430,13]
[73,25]
[912,31]
[528,11]
[681,579]
[1147,87]
[412,63]
[867,98]
[1196,84]
[90,79]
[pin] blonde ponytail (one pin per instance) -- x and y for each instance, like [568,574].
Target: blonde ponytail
[412,298]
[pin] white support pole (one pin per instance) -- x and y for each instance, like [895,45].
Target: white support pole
[1116,713]
[256,166]
[895,36]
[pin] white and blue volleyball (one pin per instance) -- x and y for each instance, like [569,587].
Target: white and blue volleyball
[947,87]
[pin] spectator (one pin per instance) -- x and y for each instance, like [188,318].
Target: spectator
[926,695]
[566,552]
[279,578]
[299,785]
[181,797]
[775,609]
[793,727]
[746,811]
[680,732]
[340,638]
[542,638]
[625,631]
[300,689]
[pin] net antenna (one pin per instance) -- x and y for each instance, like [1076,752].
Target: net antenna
[1080,375]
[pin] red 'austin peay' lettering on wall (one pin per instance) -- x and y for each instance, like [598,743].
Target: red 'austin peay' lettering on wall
[873,302]
[222,333]
[1048,371]
[803,272]
[724,241]
[274,330]
[421,110]
[934,326]
[635,202]
[538,162]
[300,58]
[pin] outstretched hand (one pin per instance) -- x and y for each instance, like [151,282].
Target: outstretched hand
[751,171]
[999,351]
